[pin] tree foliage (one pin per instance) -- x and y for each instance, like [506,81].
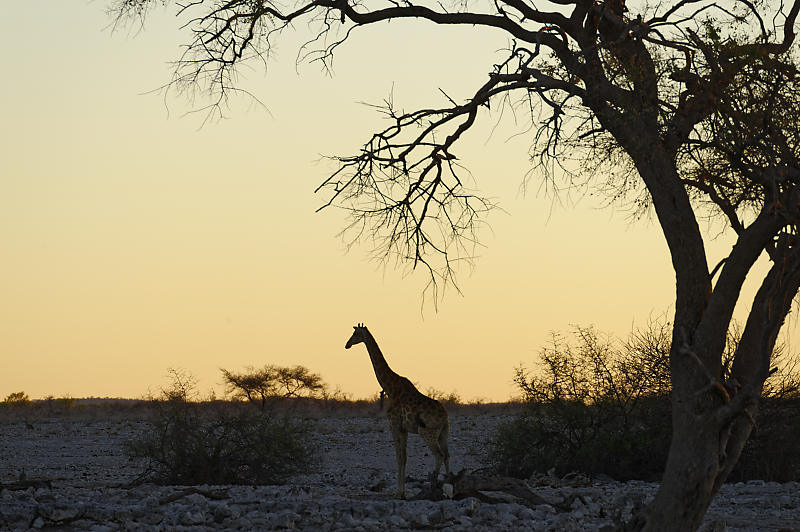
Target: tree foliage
[262,385]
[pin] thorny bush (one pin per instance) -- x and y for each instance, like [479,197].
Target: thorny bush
[601,406]
[219,442]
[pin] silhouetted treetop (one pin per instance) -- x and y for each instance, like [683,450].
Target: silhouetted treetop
[592,76]
[261,385]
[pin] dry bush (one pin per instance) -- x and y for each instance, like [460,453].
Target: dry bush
[447,399]
[58,405]
[218,442]
[16,399]
[602,406]
[587,409]
[772,452]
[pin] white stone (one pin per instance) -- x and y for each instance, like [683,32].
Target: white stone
[546,508]
[193,517]
[447,490]
[470,505]
[398,521]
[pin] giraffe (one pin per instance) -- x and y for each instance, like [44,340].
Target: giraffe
[409,411]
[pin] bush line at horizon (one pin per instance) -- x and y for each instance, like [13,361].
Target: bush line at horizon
[253,385]
[300,405]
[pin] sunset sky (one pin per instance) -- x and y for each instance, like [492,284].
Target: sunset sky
[134,238]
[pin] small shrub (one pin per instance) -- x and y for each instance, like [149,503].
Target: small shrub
[447,399]
[59,404]
[218,443]
[17,399]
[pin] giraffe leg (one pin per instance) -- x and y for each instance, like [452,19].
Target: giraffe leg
[432,438]
[443,435]
[400,436]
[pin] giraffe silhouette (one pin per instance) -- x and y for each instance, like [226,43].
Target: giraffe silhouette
[409,411]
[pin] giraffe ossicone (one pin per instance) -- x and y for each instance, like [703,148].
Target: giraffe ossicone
[409,411]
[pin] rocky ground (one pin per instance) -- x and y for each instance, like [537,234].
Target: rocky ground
[84,476]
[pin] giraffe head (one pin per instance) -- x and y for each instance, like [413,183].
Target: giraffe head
[359,335]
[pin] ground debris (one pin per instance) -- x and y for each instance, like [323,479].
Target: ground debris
[21,485]
[352,489]
[216,495]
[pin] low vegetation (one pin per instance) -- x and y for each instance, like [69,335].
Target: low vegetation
[16,399]
[451,399]
[597,405]
[219,442]
[601,406]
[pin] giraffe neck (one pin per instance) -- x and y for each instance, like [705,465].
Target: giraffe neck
[386,377]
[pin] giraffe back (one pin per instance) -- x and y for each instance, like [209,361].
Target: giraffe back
[415,409]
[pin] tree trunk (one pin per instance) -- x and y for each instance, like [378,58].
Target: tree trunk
[689,478]
[707,441]
[710,428]
[704,447]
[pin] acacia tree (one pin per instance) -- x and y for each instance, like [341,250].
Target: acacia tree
[260,386]
[694,100]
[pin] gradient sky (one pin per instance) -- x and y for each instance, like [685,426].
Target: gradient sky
[132,240]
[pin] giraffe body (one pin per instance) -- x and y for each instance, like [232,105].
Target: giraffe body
[409,411]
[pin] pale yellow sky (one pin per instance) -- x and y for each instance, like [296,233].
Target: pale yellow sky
[131,241]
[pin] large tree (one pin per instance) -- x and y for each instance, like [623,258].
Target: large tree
[691,104]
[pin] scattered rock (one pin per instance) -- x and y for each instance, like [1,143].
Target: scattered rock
[193,517]
[25,484]
[60,514]
[398,521]
[221,512]
[448,490]
[351,491]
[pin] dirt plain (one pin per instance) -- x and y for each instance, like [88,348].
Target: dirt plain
[80,479]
